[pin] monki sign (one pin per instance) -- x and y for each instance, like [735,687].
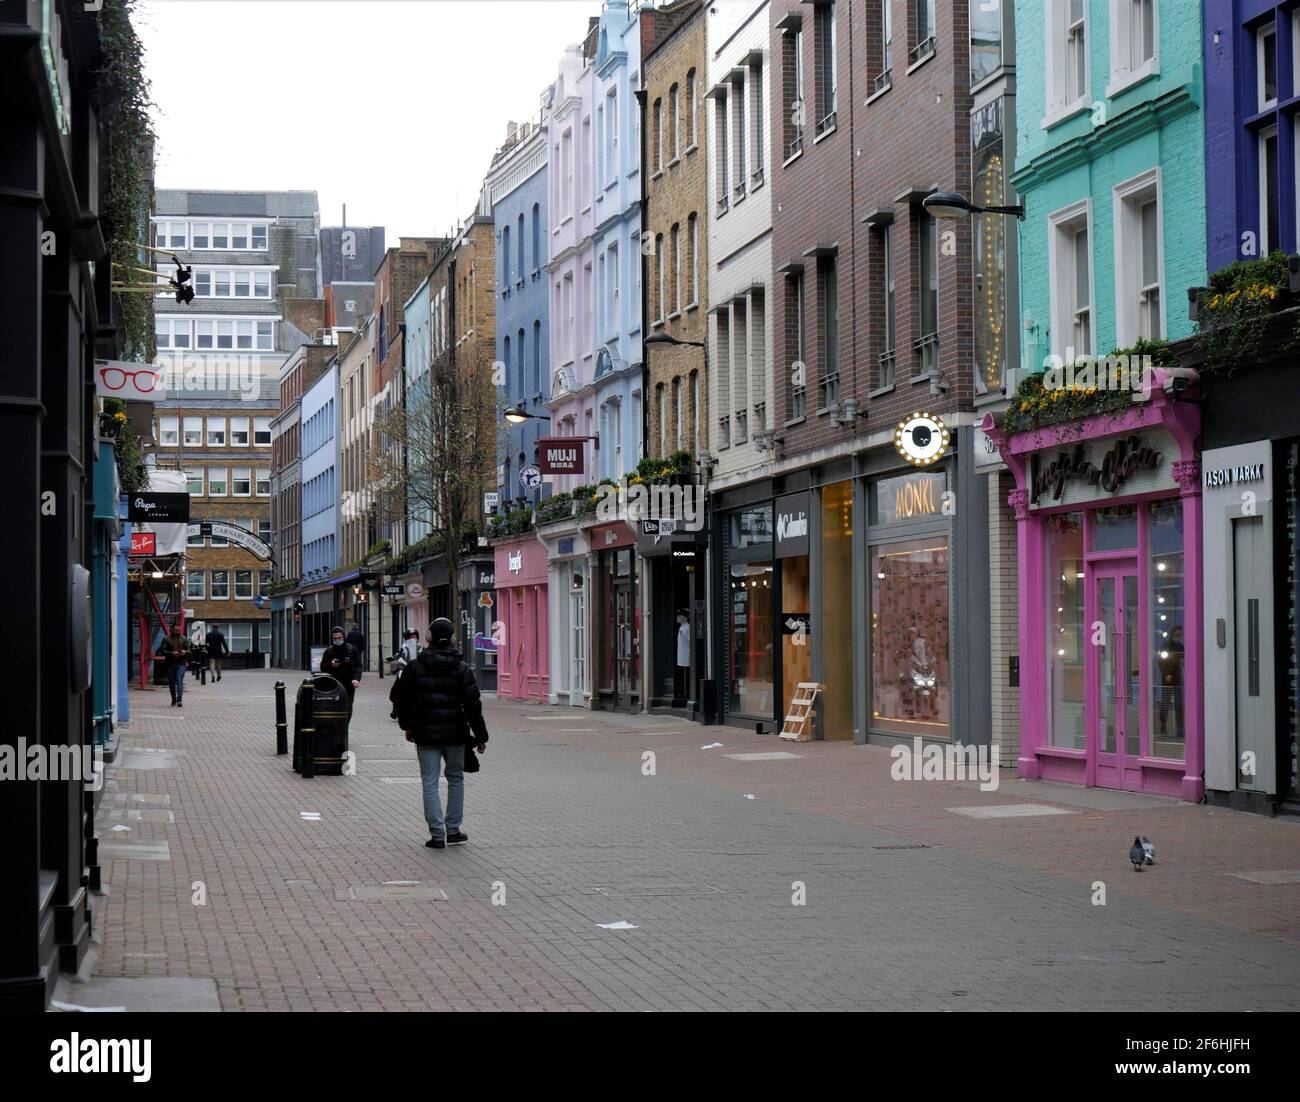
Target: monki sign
[556,455]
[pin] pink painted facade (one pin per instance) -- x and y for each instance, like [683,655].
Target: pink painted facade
[570,269]
[523,661]
[1110,695]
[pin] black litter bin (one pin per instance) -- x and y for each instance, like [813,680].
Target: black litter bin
[320,722]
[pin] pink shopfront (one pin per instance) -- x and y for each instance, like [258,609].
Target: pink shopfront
[523,666]
[1108,518]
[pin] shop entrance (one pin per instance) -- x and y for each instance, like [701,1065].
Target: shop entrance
[1117,678]
[621,645]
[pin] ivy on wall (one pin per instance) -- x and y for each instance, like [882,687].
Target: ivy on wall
[129,158]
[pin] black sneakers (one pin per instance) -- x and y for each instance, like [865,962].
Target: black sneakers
[435,843]
[457,838]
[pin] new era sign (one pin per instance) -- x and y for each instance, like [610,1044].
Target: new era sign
[559,456]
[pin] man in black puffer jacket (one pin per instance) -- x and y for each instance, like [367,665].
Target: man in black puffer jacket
[439,709]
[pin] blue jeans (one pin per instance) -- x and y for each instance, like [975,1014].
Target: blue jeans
[432,760]
[176,679]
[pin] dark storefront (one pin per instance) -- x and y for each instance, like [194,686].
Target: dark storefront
[675,567]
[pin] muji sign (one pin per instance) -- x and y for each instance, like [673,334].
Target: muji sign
[558,455]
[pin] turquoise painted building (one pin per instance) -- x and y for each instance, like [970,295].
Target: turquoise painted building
[1110,167]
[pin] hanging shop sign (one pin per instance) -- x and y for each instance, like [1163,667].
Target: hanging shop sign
[393,591]
[133,382]
[370,580]
[1092,470]
[530,477]
[487,578]
[559,456]
[152,508]
[921,439]
[792,521]
[144,543]
[515,561]
[414,590]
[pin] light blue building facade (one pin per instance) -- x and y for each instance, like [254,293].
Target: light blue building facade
[320,477]
[616,166]
[1110,167]
[516,185]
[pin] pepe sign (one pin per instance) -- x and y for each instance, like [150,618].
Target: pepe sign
[158,508]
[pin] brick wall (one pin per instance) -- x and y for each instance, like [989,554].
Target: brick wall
[676,194]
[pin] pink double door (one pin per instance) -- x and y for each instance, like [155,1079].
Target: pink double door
[1117,674]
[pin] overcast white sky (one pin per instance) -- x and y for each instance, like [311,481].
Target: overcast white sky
[391,106]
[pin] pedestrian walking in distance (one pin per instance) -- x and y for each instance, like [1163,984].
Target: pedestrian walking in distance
[342,662]
[175,652]
[440,710]
[358,640]
[217,649]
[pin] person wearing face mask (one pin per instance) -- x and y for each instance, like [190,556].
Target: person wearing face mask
[342,662]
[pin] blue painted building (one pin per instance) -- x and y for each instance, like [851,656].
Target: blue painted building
[320,504]
[615,162]
[516,186]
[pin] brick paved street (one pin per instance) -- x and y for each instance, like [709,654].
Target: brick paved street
[994,913]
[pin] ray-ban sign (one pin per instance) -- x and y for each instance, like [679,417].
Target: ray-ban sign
[556,455]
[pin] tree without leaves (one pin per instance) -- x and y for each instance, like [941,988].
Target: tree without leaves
[434,455]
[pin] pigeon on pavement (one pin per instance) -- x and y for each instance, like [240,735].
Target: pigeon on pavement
[1149,850]
[1137,854]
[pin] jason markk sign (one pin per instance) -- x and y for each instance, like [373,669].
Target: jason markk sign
[556,455]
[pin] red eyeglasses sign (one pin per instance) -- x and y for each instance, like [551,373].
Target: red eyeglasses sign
[124,379]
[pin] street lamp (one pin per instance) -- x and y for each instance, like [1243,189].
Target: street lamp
[668,338]
[519,415]
[949,204]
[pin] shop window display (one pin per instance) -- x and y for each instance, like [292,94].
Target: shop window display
[750,622]
[910,669]
[1066,634]
[1168,639]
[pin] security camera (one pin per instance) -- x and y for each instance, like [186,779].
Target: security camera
[937,387]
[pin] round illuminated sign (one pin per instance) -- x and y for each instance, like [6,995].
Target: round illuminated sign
[921,439]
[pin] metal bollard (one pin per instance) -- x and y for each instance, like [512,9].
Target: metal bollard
[281,723]
[307,724]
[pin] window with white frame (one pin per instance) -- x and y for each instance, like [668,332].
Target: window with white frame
[194,481]
[262,432]
[239,432]
[1139,303]
[677,268]
[693,266]
[218,486]
[1266,67]
[661,393]
[1134,42]
[927,345]
[195,584]
[221,585]
[740,186]
[243,585]
[1070,280]
[168,432]
[1068,76]
[263,481]
[658,133]
[241,482]
[824,66]
[240,637]
[720,144]
[263,582]
[660,278]
[1270,236]
[216,432]
[675,110]
[677,413]
[193,432]
[692,106]
[756,121]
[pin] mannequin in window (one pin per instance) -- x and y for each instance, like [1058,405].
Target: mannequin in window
[682,670]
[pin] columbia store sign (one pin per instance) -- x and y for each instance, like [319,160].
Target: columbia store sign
[792,514]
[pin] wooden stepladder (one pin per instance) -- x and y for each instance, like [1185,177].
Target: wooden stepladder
[798,721]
